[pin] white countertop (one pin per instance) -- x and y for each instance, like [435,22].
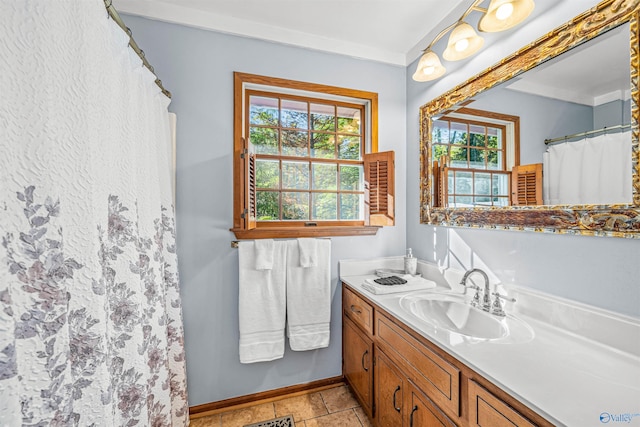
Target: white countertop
[567,378]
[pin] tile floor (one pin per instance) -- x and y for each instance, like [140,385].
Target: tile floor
[334,407]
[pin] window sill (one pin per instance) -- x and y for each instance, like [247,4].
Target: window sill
[294,232]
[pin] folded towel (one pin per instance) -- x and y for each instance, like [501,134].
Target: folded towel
[308,252]
[413,284]
[264,254]
[309,298]
[262,304]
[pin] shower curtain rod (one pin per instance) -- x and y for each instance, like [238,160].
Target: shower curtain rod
[590,132]
[113,13]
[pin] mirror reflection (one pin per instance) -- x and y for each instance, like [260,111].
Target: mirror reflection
[558,134]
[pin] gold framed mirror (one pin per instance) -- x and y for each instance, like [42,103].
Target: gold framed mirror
[615,220]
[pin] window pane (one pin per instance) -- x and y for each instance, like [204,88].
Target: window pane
[476,136]
[458,133]
[294,114]
[500,185]
[294,143]
[458,157]
[323,145]
[500,201]
[323,117]
[450,183]
[463,202]
[348,120]
[463,183]
[267,206]
[440,132]
[295,175]
[438,151]
[349,147]
[482,201]
[267,174]
[483,184]
[352,206]
[494,138]
[494,159]
[295,206]
[476,158]
[263,140]
[325,206]
[325,177]
[263,111]
[351,178]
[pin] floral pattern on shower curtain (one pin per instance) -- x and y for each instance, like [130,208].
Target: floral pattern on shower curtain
[90,315]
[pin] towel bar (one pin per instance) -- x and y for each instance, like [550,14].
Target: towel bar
[234,243]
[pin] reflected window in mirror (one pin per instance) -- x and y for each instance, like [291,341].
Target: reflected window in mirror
[473,154]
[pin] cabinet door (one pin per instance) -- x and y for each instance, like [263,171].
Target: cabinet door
[486,410]
[389,388]
[422,412]
[357,359]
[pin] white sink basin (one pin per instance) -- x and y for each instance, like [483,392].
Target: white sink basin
[454,314]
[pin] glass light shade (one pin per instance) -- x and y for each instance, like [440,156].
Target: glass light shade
[429,68]
[463,42]
[497,18]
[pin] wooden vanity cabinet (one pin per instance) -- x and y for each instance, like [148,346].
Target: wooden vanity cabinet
[401,379]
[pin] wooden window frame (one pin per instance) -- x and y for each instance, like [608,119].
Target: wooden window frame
[487,119]
[244,226]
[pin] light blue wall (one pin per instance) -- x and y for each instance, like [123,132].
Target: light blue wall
[600,271]
[197,67]
[612,113]
[559,118]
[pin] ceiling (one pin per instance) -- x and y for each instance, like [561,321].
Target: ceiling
[592,74]
[390,31]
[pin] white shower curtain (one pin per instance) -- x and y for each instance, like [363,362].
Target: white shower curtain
[596,170]
[90,315]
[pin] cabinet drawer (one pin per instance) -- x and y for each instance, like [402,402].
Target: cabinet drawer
[486,410]
[435,376]
[357,309]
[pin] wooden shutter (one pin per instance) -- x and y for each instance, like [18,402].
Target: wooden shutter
[379,184]
[250,212]
[526,185]
[440,183]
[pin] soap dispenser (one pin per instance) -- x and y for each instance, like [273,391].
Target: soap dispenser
[410,263]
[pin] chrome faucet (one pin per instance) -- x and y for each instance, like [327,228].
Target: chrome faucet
[486,297]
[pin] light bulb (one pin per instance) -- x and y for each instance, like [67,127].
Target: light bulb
[428,70]
[462,44]
[504,11]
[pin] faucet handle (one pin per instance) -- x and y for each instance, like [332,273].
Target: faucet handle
[496,307]
[475,302]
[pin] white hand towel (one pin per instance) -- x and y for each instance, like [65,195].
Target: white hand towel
[309,298]
[264,254]
[262,304]
[308,252]
[413,284]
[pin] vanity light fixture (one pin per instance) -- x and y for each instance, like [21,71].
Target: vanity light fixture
[464,41]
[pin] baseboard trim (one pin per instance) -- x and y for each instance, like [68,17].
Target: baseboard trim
[240,402]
